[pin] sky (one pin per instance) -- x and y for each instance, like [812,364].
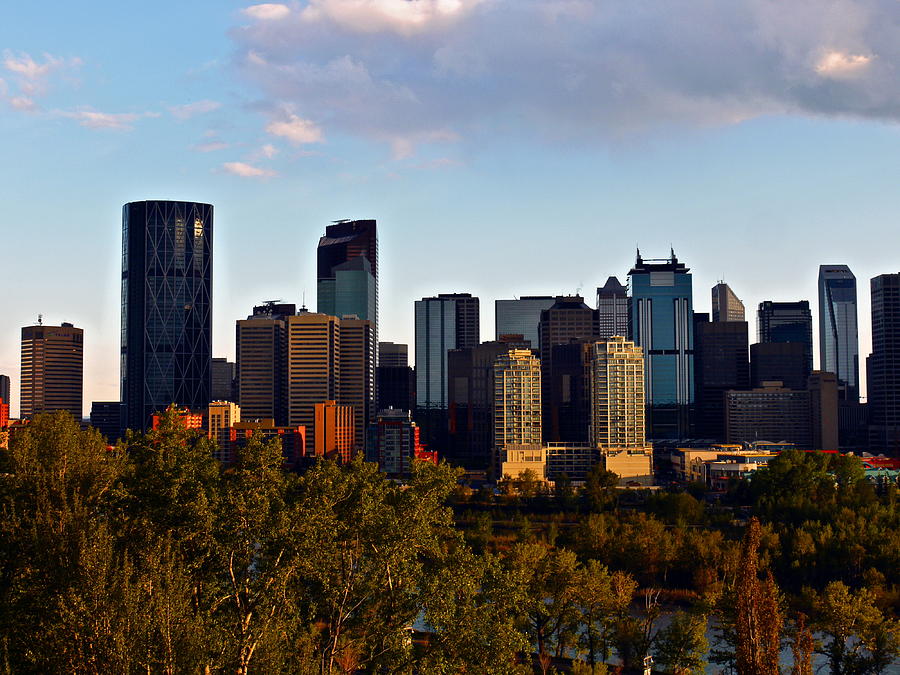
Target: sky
[506,148]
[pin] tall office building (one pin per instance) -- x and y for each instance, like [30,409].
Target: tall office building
[725,304]
[567,408]
[517,402]
[883,383]
[823,403]
[521,317]
[313,366]
[447,321]
[52,370]
[721,363]
[779,361]
[335,431]
[4,388]
[106,417]
[661,323]
[768,413]
[357,387]
[838,337]
[261,367]
[347,270]
[393,354]
[166,308]
[568,320]
[786,322]
[612,308]
[617,395]
[223,386]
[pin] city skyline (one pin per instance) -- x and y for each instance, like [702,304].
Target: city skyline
[95,121]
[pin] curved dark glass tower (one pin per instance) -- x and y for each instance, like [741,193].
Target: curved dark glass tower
[166,308]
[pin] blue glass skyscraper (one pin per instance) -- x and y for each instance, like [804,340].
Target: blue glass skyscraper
[660,321]
[838,336]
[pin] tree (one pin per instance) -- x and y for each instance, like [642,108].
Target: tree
[859,638]
[802,646]
[759,619]
[681,646]
[601,598]
[600,488]
[633,635]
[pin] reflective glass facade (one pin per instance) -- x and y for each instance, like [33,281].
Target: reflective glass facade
[838,336]
[786,322]
[521,317]
[661,323]
[166,308]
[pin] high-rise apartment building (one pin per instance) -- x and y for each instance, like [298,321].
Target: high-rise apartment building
[721,363]
[661,323]
[786,322]
[617,395]
[166,308]
[883,384]
[261,367]
[838,335]
[521,317]
[313,366]
[725,304]
[612,308]
[52,370]
[517,402]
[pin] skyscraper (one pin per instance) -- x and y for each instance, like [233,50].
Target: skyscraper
[166,308]
[521,317]
[357,387]
[313,366]
[617,395]
[52,370]
[661,323]
[786,322]
[4,388]
[721,363]
[883,383]
[725,304]
[612,308]
[393,354]
[223,374]
[517,401]
[261,367]
[838,337]
[779,361]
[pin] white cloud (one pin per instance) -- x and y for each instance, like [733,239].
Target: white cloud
[841,64]
[24,65]
[247,170]
[93,119]
[296,130]
[211,146]
[23,103]
[268,150]
[267,11]
[569,70]
[399,16]
[188,110]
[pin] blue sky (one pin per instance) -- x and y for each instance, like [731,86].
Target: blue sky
[506,147]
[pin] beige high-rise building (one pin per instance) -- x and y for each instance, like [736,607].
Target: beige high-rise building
[517,402]
[357,373]
[617,409]
[220,417]
[726,306]
[313,366]
[52,370]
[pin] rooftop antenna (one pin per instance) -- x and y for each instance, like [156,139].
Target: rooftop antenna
[40,319]
[303,306]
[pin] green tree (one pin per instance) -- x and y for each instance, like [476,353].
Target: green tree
[601,598]
[600,489]
[681,646]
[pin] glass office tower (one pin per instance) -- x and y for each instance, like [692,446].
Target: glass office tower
[786,322]
[166,308]
[661,323]
[521,317]
[838,337]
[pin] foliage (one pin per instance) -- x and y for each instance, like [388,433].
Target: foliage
[682,645]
